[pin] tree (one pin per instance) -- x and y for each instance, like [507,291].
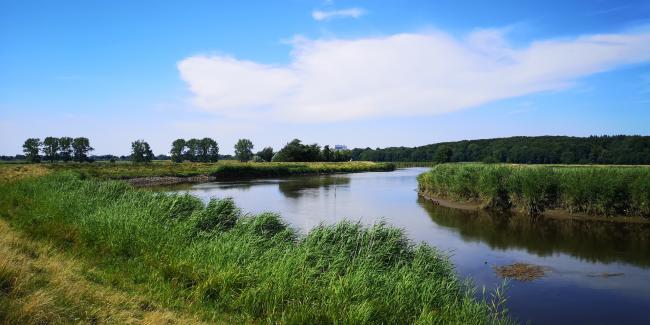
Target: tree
[443,154]
[177,152]
[213,152]
[342,155]
[327,153]
[65,148]
[192,150]
[266,154]
[244,150]
[81,147]
[206,150]
[50,148]
[296,151]
[141,152]
[31,148]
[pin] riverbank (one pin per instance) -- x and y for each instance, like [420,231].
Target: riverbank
[219,170]
[207,261]
[602,191]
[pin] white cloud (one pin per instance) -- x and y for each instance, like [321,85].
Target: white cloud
[402,75]
[342,13]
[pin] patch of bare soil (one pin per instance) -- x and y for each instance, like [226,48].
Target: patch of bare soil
[521,271]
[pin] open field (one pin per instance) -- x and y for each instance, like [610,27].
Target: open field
[177,256]
[222,169]
[595,190]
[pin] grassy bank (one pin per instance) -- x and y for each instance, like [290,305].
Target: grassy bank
[216,264]
[225,169]
[409,164]
[595,190]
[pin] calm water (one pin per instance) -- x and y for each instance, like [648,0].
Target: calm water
[577,253]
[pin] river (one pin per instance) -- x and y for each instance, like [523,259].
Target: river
[597,271]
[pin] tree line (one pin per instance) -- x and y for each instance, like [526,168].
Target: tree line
[57,149]
[206,150]
[619,149]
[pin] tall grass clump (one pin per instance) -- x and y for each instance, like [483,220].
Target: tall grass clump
[214,260]
[601,190]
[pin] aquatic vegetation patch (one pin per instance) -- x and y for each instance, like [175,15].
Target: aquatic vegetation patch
[521,271]
[595,190]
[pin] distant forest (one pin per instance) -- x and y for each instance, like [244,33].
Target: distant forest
[619,149]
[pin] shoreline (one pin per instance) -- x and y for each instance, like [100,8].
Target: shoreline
[151,181]
[550,213]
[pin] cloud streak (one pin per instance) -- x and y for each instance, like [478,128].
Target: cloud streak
[320,15]
[410,74]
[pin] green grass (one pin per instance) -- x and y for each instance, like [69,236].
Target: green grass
[409,164]
[595,190]
[225,169]
[212,260]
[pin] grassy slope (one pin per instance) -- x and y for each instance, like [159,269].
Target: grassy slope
[596,190]
[173,252]
[39,284]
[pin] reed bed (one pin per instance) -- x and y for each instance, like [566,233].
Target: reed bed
[213,260]
[594,190]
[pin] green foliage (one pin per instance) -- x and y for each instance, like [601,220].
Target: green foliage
[217,261]
[218,215]
[141,152]
[65,148]
[178,150]
[442,155]
[266,154]
[342,155]
[203,150]
[51,149]
[208,150]
[244,150]
[619,149]
[31,148]
[605,190]
[296,151]
[81,147]
[327,154]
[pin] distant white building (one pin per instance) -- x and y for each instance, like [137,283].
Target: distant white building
[340,147]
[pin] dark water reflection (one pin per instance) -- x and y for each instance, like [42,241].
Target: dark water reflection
[590,240]
[577,252]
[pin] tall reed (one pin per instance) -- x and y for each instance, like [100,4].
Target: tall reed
[597,190]
[215,260]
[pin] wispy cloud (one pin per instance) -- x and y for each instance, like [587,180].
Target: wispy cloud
[321,15]
[406,74]
[611,10]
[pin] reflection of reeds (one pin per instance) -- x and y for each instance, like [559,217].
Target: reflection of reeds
[591,240]
[601,190]
[215,262]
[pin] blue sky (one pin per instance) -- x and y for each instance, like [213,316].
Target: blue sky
[361,73]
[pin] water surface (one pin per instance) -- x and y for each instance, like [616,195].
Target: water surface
[579,253]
